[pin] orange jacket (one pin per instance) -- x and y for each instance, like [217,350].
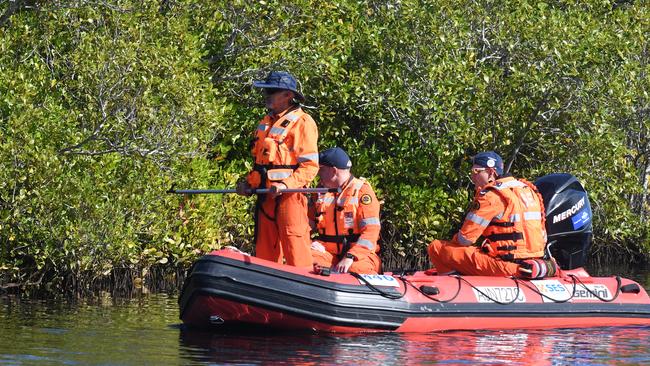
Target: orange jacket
[285,150]
[352,214]
[509,214]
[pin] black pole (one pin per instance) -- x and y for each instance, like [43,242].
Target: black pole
[253,191]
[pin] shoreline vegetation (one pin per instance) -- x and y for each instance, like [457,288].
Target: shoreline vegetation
[106,105]
[129,282]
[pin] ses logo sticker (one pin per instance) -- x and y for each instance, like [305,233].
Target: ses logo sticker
[589,291]
[500,294]
[555,291]
[552,290]
[380,280]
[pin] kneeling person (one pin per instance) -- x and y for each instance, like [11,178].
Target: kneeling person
[509,214]
[347,222]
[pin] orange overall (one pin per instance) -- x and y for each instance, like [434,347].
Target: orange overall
[285,150]
[509,215]
[348,223]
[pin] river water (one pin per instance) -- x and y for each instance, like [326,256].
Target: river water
[145,330]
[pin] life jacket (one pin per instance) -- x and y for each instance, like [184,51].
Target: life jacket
[520,231]
[336,219]
[274,160]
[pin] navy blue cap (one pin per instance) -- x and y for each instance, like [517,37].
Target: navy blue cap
[335,157]
[489,159]
[280,80]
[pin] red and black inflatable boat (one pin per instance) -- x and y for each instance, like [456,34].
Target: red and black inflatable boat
[229,289]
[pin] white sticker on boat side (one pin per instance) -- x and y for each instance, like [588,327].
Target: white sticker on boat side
[500,294]
[552,290]
[379,280]
[589,293]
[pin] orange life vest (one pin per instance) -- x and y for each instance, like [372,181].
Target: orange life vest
[274,161]
[336,219]
[520,232]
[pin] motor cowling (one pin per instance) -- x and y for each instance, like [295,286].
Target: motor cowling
[568,218]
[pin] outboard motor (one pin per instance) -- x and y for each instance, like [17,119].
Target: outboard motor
[568,219]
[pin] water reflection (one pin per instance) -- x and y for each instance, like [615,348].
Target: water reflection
[146,330]
[119,331]
[572,346]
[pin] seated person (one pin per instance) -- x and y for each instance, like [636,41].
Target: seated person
[508,214]
[347,222]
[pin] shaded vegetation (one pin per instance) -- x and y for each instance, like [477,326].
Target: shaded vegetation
[106,104]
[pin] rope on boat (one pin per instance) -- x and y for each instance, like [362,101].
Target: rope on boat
[514,298]
[433,298]
[537,291]
[381,292]
[576,280]
[618,289]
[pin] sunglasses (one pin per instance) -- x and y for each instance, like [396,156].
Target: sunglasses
[477,170]
[271,91]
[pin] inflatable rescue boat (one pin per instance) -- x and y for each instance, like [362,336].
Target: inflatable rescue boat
[228,289]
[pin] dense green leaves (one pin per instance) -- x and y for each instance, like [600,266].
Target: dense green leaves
[105,105]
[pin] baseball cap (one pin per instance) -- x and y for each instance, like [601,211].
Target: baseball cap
[335,157]
[489,159]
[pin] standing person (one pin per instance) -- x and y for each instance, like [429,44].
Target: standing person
[285,152]
[509,214]
[347,222]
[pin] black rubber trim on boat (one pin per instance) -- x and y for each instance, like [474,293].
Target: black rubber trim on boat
[302,307]
[291,293]
[207,261]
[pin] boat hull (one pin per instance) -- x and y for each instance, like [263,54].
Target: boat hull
[231,290]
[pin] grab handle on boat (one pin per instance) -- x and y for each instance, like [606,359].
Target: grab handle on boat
[320,270]
[631,288]
[429,290]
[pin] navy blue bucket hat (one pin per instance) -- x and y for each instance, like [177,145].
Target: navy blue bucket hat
[335,157]
[280,80]
[489,159]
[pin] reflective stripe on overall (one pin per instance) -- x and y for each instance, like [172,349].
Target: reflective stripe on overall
[337,219]
[274,160]
[519,231]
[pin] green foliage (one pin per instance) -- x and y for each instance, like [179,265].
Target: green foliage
[103,106]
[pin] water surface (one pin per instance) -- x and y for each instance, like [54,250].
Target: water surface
[145,330]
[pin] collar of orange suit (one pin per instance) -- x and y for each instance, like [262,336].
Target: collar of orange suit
[346,184]
[275,117]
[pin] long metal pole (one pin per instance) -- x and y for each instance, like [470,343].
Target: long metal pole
[253,191]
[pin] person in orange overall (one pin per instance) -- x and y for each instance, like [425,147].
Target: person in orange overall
[508,214]
[286,157]
[347,222]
